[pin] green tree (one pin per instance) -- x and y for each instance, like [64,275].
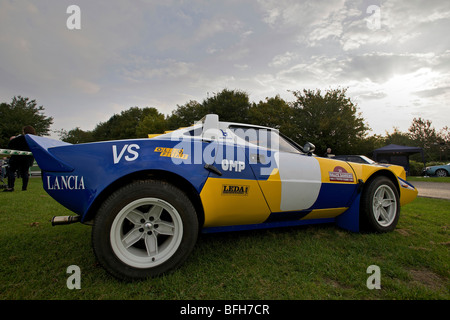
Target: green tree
[425,136]
[444,144]
[75,136]
[19,113]
[398,137]
[122,126]
[366,145]
[275,113]
[328,120]
[152,122]
[444,133]
[229,105]
[185,115]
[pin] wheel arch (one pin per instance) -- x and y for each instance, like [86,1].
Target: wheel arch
[367,221]
[167,176]
[383,173]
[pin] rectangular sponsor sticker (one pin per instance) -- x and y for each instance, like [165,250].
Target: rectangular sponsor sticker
[237,190]
[340,174]
[171,153]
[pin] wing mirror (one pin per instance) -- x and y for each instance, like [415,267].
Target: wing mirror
[309,148]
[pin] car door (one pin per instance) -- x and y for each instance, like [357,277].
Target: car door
[296,185]
[289,181]
[231,194]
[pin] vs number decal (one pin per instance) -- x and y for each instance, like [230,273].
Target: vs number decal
[131,155]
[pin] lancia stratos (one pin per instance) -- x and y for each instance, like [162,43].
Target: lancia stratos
[148,199]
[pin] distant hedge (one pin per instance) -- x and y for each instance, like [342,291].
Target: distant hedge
[415,168]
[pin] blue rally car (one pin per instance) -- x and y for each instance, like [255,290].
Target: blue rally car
[147,199]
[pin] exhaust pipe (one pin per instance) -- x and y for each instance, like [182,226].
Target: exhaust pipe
[61,220]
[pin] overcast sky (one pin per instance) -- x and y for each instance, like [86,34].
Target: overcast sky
[394,56]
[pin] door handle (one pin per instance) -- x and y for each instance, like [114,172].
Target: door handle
[211,168]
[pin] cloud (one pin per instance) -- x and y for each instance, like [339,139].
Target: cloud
[283,59]
[401,25]
[433,92]
[241,66]
[376,95]
[291,13]
[85,86]
[211,27]
[164,53]
[357,24]
[146,70]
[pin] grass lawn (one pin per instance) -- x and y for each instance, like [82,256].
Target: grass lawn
[314,263]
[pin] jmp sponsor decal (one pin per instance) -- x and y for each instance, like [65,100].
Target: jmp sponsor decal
[340,174]
[230,165]
[171,153]
[65,183]
[228,189]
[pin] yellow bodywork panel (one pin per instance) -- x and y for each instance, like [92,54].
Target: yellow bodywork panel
[233,202]
[154,135]
[407,194]
[272,190]
[335,171]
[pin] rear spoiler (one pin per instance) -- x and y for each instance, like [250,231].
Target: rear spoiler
[41,149]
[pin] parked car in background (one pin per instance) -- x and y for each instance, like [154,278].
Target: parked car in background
[438,171]
[355,158]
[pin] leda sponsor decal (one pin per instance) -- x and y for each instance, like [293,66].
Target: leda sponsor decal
[228,189]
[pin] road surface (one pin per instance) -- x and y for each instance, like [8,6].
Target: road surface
[439,190]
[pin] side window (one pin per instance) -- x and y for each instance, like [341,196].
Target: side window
[264,138]
[249,135]
[355,159]
[194,132]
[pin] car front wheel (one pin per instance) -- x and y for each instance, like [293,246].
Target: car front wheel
[380,206]
[144,229]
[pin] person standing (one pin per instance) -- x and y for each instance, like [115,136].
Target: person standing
[20,163]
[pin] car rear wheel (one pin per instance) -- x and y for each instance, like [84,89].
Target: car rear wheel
[380,206]
[441,173]
[144,229]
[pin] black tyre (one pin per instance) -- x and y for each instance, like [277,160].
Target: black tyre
[380,206]
[144,229]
